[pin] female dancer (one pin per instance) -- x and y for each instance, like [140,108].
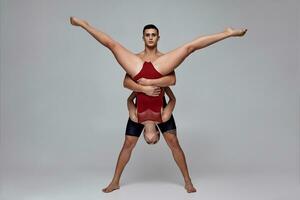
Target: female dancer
[151,134]
[165,64]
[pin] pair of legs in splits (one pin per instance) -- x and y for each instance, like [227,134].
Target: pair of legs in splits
[165,64]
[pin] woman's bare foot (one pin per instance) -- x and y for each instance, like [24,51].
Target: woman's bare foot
[111,187]
[236,32]
[77,22]
[189,187]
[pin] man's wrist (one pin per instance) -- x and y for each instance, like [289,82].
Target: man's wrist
[151,82]
[141,88]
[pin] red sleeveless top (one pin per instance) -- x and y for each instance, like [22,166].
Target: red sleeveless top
[148,107]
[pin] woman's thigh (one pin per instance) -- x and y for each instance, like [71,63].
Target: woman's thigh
[171,60]
[130,62]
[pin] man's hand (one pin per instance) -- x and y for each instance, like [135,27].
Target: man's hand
[151,90]
[144,81]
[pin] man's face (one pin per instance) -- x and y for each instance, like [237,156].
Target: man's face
[150,37]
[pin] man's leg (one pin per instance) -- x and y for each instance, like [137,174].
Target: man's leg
[124,156]
[132,134]
[171,60]
[130,62]
[179,158]
[168,130]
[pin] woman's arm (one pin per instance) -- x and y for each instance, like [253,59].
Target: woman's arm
[164,81]
[167,111]
[131,107]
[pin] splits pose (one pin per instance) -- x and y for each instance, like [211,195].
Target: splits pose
[161,75]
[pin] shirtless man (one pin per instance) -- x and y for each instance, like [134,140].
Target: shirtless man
[165,63]
[150,87]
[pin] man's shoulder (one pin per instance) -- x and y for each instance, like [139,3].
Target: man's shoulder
[160,54]
[139,54]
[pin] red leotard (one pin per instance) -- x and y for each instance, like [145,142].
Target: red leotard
[148,107]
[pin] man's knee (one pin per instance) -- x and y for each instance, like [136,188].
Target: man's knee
[173,143]
[129,144]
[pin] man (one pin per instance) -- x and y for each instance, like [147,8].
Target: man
[150,87]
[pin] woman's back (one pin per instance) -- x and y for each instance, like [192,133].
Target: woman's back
[149,107]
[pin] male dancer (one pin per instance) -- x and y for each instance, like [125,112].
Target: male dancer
[165,64]
[150,87]
[168,129]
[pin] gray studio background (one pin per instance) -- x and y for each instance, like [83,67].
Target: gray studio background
[63,105]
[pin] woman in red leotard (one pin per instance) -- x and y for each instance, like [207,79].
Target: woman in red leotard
[162,66]
[149,109]
[149,114]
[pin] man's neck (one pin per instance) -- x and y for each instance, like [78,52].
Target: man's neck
[150,51]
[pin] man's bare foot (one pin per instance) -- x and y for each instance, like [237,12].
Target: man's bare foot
[111,187]
[236,32]
[189,187]
[77,22]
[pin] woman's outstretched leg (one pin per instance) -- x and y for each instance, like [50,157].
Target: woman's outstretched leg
[169,61]
[129,61]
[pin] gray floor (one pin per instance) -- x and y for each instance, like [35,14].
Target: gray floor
[87,184]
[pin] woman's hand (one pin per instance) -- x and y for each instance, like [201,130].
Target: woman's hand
[166,115]
[133,115]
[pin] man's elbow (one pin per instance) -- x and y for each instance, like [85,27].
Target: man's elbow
[173,81]
[125,85]
[173,78]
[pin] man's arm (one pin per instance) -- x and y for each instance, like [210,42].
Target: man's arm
[167,111]
[164,81]
[150,87]
[132,85]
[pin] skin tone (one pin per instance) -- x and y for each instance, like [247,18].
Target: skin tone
[163,63]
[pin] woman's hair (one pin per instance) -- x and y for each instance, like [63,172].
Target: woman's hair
[150,26]
[151,133]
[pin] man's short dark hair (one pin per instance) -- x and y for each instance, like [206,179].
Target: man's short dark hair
[150,26]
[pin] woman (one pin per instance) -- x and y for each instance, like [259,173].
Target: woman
[165,64]
[148,117]
[150,113]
